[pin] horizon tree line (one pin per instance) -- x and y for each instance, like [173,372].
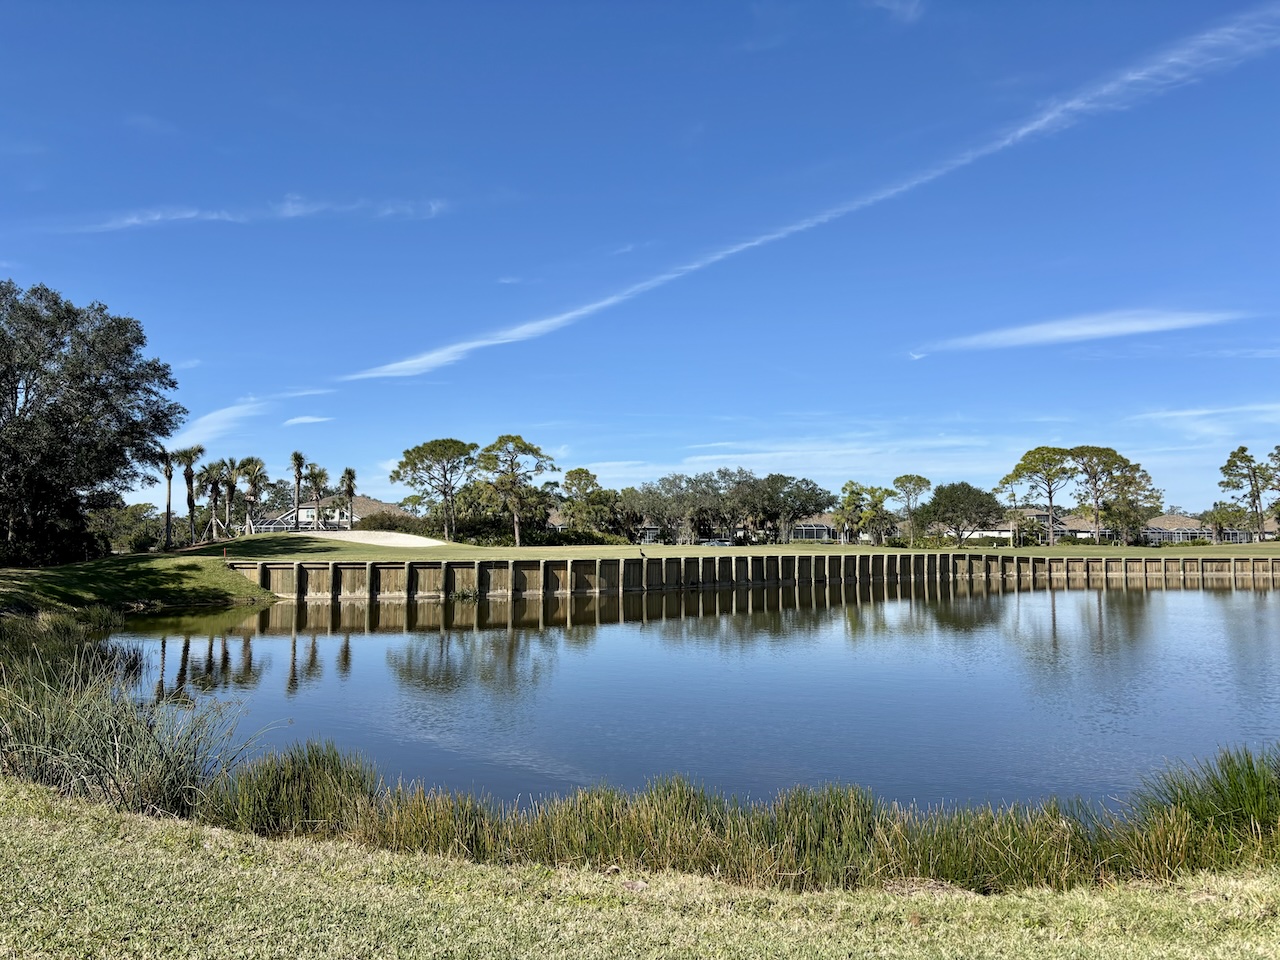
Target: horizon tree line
[462,490]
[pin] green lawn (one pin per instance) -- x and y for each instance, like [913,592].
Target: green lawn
[172,580]
[85,881]
[198,577]
[299,546]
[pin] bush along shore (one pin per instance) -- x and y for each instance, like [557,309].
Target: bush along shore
[68,721]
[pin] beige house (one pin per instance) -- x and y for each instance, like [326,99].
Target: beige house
[333,514]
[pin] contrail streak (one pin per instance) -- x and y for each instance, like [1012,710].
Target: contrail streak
[1247,36]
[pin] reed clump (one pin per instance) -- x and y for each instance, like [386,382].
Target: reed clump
[805,839]
[68,720]
[310,789]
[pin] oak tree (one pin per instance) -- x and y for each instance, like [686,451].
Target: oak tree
[83,411]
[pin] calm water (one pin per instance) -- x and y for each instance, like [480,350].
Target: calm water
[961,698]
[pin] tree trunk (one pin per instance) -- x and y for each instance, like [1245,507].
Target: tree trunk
[1051,519]
[168,515]
[515,520]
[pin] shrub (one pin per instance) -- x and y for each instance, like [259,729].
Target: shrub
[393,522]
[574,538]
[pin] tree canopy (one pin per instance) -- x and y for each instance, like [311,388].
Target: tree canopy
[910,488]
[82,412]
[962,508]
[436,471]
[1046,470]
[1250,479]
[510,463]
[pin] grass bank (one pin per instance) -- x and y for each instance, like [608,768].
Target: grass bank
[85,880]
[136,580]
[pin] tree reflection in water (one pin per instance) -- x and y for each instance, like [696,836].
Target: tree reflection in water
[505,645]
[218,669]
[503,663]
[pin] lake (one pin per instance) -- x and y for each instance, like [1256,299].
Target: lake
[971,696]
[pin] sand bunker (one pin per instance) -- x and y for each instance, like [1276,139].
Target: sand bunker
[379,538]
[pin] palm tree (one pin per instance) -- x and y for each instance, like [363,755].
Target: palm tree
[317,480]
[231,475]
[347,487]
[209,481]
[166,467]
[188,456]
[255,476]
[299,463]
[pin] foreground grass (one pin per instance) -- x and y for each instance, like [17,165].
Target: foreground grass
[84,880]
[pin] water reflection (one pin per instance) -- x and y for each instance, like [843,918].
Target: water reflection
[933,691]
[503,644]
[449,662]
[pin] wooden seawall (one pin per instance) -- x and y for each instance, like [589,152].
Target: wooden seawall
[481,579]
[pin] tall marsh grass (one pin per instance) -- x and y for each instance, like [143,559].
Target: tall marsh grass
[309,789]
[806,838]
[68,720]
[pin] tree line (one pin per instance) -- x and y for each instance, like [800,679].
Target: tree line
[219,482]
[84,415]
[463,491]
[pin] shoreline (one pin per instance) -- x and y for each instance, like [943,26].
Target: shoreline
[200,577]
[86,880]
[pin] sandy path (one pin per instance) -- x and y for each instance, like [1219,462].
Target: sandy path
[379,538]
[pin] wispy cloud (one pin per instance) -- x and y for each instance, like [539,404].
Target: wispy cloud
[908,11]
[1266,411]
[630,248]
[1093,326]
[156,217]
[187,364]
[1224,425]
[1247,353]
[507,281]
[294,421]
[292,207]
[219,423]
[1245,37]
[309,392]
[831,458]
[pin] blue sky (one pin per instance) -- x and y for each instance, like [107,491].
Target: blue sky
[843,240]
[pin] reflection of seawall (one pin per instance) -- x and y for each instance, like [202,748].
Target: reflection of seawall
[535,613]
[514,579]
